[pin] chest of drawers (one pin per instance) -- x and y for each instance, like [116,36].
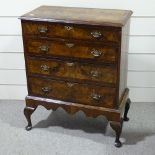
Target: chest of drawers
[76,58]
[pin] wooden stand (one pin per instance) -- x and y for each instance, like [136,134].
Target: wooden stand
[114,116]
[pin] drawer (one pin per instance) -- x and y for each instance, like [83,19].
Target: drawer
[72,50]
[72,92]
[107,34]
[72,70]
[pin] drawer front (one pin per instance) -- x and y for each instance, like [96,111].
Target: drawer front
[106,34]
[72,70]
[72,50]
[72,92]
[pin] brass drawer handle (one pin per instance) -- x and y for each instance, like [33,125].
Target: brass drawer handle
[45,68]
[96,53]
[70,84]
[44,48]
[96,97]
[69,45]
[45,90]
[43,29]
[94,73]
[68,28]
[96,34]
[70,64]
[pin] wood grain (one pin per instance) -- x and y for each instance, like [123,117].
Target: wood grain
[72,108]
[72,92]
[72,49]
[72,70]
[82,15]
[73,31]
[67,80]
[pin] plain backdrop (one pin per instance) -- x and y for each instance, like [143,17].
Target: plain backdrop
[141,68]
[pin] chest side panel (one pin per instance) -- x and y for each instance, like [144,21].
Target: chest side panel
[124,60]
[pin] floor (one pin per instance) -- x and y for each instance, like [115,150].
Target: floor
[57,133]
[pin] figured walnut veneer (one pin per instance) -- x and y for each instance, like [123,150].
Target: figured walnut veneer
[76,58]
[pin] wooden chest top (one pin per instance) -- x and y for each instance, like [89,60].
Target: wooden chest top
[91,16]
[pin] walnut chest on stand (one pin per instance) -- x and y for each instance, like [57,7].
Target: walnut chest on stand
[76,58]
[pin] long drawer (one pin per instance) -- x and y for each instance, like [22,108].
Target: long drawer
[72,49]
[45,29]
[72,70]
[72,92]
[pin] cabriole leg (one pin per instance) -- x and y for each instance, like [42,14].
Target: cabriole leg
[28,112]
[117,127]
[127,107]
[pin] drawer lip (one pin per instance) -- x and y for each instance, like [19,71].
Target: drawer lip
[88,42]
[68,22]
[112,68]
[107,92]
[96,43]
[80,60]
[104,37]
[82,50]
[70,59]
[87,82]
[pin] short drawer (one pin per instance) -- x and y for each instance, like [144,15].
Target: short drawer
[72,50]
[107,34]
[72,70]
[72,92]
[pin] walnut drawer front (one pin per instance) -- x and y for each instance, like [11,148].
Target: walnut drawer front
[107,34]
[72,70]
[72,50]
[72,92]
